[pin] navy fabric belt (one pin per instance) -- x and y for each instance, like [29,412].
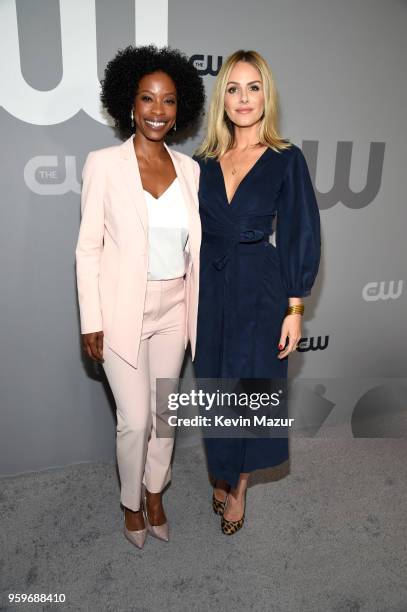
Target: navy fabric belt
[230,241]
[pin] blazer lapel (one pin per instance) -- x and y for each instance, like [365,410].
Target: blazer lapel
[132,180]
[133,185]
[188,197]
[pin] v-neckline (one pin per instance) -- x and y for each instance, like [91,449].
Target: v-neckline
[163,193]
[229,203]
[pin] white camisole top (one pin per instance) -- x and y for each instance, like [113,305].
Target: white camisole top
[167,233]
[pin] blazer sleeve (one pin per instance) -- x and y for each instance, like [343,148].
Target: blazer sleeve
[90,243]
[298,237]
[197,171]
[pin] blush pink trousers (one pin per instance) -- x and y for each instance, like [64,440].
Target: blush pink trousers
[143,457]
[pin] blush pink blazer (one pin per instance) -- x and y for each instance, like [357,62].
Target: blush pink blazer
[112,249]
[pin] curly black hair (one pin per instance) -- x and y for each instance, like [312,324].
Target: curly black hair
[124,71]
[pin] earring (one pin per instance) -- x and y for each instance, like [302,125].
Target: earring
[174,127]
[132,117]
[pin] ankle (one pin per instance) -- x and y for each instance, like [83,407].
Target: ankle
[221,485]
[237,496]
[153,500]
[132,513]
[220,495]
[134,519]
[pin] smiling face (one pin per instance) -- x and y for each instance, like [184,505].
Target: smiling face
[244,96]
[155,105]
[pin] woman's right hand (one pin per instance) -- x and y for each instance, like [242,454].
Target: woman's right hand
[92,344]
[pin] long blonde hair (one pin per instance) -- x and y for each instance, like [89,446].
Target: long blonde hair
[219,129]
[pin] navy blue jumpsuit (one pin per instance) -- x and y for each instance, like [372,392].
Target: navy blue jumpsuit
[245,283]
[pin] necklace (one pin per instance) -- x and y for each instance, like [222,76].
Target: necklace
[234,169]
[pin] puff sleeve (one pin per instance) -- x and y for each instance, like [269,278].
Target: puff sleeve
[298,238]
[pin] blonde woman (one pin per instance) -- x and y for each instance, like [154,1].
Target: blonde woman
[251,285]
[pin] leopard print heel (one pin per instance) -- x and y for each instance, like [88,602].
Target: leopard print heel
[231,527]
[218,505]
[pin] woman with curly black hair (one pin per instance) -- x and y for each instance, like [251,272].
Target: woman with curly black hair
[137,261]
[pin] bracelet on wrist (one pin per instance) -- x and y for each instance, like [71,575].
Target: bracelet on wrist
[297,309]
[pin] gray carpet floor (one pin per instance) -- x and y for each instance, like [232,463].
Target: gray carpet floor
[329,536]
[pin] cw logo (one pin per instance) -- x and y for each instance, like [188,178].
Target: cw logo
[206,67]
[340,191]
[312,344]
[382,291]
[43,175]
[79,86]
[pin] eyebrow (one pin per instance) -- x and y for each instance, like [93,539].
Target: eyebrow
[169,93]
[236,83]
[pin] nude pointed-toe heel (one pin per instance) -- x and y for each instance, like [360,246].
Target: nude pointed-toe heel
[137,537]
[161,532]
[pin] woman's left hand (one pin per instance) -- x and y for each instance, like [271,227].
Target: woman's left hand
[291,330]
